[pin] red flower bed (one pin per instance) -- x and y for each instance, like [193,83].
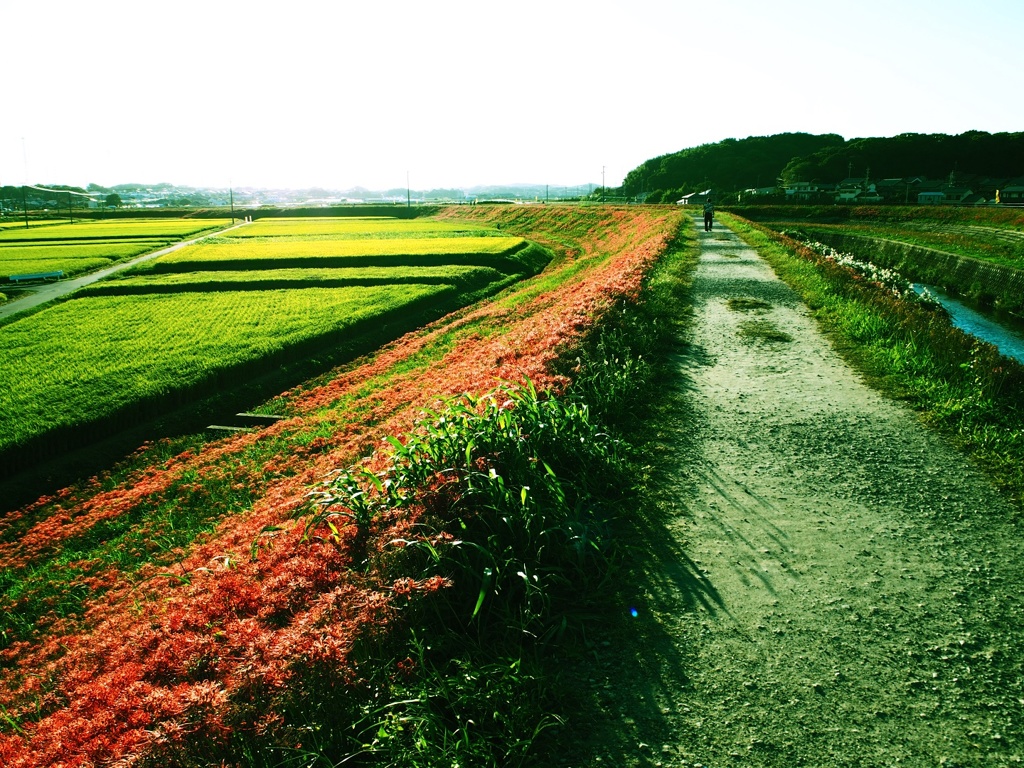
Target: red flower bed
[217,645]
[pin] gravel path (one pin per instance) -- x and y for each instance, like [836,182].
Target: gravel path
[828,583]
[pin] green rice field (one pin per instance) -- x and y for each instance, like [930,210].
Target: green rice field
[315,277]
[92,357]
[190,325]
[157,229]
[86,246]
[375,227]
[268,252]
[72,258]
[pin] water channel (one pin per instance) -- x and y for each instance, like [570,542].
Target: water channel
[1007,334]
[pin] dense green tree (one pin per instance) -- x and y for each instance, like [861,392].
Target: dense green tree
[728,166]
[733,165]
[914,154]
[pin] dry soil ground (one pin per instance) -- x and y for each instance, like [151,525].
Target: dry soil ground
[826,582]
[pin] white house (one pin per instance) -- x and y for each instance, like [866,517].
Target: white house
[694,198]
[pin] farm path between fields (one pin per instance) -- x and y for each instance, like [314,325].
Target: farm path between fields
[827,584]
[41,294]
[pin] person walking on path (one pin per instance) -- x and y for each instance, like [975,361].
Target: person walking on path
[709,215]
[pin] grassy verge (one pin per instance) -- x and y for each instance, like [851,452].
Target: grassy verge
[972,242]
[960,385]
[1001,217]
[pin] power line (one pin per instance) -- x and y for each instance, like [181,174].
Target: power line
[60,191]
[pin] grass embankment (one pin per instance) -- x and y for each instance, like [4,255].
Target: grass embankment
[962,386]
[990,234]
[1002,246]
[974,252]
[1005,217]
[196,605]
[982,264]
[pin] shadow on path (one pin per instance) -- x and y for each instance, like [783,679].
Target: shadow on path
[812,578]
[628,683]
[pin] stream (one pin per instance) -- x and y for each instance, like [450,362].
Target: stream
[1008,340]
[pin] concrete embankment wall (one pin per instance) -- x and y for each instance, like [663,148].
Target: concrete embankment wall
[981,281]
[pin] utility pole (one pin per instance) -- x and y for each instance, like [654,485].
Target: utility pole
[604,191]
[231,197]
[408,193]
[24,157]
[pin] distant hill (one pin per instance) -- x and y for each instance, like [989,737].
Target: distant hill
[727,166]
[763,161]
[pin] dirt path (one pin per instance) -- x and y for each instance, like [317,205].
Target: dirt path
[833,585]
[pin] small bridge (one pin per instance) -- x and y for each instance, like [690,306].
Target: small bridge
[36,277]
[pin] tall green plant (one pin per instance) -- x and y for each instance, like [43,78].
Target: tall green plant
[516,483]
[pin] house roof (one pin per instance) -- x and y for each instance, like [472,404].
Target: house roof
[693,196]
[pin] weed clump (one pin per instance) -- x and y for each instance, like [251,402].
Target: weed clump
[745,304]
[762,330]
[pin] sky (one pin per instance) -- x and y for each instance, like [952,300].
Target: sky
[459,93]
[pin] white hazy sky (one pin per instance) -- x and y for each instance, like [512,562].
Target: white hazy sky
[456,93]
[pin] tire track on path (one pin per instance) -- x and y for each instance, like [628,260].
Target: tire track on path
[836,587]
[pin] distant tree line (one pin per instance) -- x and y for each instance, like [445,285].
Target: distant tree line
[728,166]
[934,155]
[734,165]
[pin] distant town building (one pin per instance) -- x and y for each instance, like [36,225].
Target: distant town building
[1013,194]
[695,198]
[956,189]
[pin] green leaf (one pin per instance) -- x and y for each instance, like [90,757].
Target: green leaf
[484,585]
[186,579]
